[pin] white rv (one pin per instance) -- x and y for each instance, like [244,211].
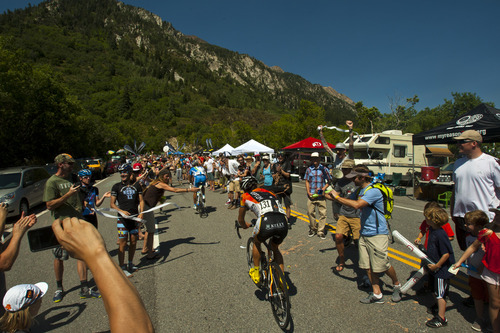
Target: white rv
[392,152]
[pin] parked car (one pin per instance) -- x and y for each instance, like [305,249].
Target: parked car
[112,166]
[97,166]
[22,188]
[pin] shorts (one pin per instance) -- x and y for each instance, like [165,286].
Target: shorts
[125,227]
[441,287]
[283,197]
[150,221]
[199,181]
[210,176]
[271,225]
[490,277]
[234,186]
[92,219]
[478,289]
[373,253]
[344,224]
[60,253]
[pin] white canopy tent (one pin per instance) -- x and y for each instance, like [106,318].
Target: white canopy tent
[226,150]
[252,146]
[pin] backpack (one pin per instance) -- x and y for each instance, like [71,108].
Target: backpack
[388,199]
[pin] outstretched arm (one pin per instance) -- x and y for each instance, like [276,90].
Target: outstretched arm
[9,255]
[123,304]
[350,124]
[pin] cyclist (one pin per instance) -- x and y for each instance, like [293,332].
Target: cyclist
[128,195]
[271,221]
[91,198]
[197,177]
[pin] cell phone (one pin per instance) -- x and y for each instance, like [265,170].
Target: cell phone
[42,239]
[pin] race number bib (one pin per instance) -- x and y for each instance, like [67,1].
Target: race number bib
[270,206]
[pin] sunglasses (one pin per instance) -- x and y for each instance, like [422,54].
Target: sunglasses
[123,174]
[464,141]
[85,177]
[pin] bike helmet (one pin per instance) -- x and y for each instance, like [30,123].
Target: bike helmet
[248,183]
[125,168]
[84,173]
[137,167]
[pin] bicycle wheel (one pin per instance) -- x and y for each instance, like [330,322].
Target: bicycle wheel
[250,252]
[278,296]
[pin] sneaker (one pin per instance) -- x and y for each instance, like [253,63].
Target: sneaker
[228,202]
[311,233]
[396,294]
[194,207]
[58,296]
[90,294]
[254,274]
[476,326]
[372,299]
[436,322]
[321,235]
[131,268]
[126,272]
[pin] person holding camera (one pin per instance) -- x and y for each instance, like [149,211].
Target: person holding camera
[64,199]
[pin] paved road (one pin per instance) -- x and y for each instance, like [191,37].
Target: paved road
[201,282]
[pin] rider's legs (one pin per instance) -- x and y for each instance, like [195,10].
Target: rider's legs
[256,252]
[278,257]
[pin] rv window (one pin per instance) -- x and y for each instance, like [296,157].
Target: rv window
[365,138]
[399,151]
[383,140]
[371,154]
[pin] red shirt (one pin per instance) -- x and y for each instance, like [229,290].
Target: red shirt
[424,228]
[491,259]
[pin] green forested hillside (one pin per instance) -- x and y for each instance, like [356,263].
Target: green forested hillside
[120,73]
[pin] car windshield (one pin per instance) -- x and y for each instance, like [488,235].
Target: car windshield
[10,180]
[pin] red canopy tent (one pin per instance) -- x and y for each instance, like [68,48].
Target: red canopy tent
[310,144]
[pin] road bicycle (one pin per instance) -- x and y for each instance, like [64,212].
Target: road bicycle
[201,208]
[272,281]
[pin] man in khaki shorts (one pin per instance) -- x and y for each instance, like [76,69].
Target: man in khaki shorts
[348,221]
[374,240]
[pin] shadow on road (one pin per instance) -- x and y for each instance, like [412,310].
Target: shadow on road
[58,316]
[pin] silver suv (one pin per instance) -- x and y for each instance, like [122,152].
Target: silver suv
[22,188]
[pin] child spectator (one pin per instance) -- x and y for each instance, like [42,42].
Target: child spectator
[440,251]
[475,222]
[425,228]
[491,261]
[22,303]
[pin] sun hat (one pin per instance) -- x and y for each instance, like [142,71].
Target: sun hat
[347,164]
[23,295]
[340,145]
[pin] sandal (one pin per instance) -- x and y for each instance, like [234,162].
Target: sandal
[340,267]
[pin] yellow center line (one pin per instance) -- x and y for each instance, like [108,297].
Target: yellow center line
[415,264]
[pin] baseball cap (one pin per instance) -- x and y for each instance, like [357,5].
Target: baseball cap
[471,135]
[137,167]
[63,158]
[23,295]
[315,154]
[347,164]
[256,154]
[265,157]
[495,210]
[340,145]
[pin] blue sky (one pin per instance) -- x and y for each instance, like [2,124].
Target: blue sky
[371,51]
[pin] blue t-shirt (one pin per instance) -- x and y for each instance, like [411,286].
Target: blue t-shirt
[437,246]
[369,214]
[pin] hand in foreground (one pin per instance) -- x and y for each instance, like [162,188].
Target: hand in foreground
[433,267]
[417,241]
[3,211]
[79,238]
[349,124]
[107,195]
[24,223]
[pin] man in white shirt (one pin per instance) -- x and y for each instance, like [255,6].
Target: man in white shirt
[209,167]
[477,182]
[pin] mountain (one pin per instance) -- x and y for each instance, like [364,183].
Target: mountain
[136,77]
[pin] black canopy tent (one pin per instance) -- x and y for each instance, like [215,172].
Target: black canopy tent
[483,118]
